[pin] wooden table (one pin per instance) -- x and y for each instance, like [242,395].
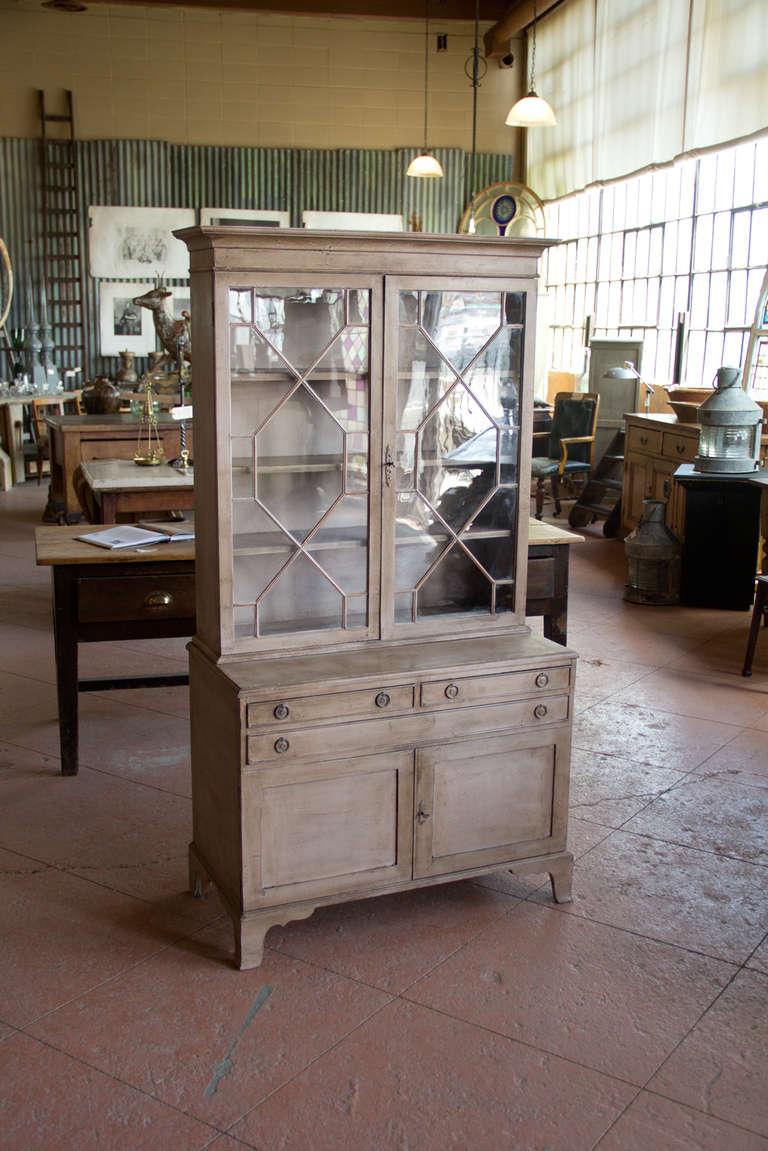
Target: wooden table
[12,410]
[547,588]
[121,487]
[108,437]
[98,595]
[149,593]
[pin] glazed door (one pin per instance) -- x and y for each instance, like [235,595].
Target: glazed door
[456,467]
[298,499]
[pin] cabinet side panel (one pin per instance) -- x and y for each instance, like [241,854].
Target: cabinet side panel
[216,753]
[207,527]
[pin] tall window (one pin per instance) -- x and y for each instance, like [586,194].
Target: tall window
[681,249]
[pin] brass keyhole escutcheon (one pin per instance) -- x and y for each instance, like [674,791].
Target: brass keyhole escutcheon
[382,699]
[389,467]
[421,814]
[540,710]
[452,691]
[542,679]
[158,599]
[281,745]
[282,711]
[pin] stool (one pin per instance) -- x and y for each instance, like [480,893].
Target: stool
[759,611]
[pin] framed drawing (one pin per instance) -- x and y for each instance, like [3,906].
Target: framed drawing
[353,221]
[123,324]
[136,243]
[245,218]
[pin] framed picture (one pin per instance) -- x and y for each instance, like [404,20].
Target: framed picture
[136,243]
[245,218]
[180,301]
[353,221]
[123,324]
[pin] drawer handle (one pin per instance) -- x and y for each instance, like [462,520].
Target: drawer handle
[452,691]
[282,711]
[679,448]
[542,679]
[281,745]
[383,699]
[421,815]
[643,440]
[158,599]
[540,710]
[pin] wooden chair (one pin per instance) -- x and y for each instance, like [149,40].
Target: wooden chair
[570,446]
[759,612]
[42,406]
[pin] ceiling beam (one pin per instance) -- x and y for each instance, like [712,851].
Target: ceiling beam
[516,18]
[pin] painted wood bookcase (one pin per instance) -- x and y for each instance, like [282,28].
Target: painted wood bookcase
[369,710]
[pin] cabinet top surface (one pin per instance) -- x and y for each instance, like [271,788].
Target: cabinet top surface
[338,242]
[385,662]
[660,419]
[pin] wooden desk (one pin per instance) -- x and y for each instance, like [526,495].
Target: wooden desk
[11,415]
[109,437]
[149,593]
[121,487]
[98,595]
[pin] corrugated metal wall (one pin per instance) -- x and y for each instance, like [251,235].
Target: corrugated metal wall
[155,174]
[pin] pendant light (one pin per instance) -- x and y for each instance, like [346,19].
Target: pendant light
[426,164]
[532,111]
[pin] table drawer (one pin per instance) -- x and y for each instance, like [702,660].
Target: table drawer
[340,705]
[679,447]
[646,440]
[136,598]
[416,729]
[488,688]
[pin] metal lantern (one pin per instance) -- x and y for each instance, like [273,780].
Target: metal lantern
[730,427]
[653,554]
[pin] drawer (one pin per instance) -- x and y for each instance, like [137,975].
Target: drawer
[679,447]
[146,597]
[341,705]
[402,732]
[646,440]
[487,688]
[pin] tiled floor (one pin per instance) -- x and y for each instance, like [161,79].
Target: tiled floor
[477,1016]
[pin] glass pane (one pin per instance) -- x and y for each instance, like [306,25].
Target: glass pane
[302,599]
[340,546]
[299,459]
[456,586]
[460,323]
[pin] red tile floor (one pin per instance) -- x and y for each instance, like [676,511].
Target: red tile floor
[476,1016]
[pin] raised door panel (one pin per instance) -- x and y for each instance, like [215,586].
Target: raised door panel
[457,441]
[486,801]
[332,828]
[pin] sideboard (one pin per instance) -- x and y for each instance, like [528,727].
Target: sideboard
[656,444]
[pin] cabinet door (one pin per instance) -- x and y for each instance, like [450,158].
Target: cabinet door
[297,492]
[486,801]
[637,487]
[315,830]
[457,442]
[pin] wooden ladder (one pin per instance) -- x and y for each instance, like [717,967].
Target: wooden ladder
[63,270]
[601,496]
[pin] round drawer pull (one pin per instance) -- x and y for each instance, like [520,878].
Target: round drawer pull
[281,745]
[540,710]
[383,699]
[158,599]
[452,691]
[542,679]
[282,711]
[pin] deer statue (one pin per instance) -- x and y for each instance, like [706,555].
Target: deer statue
[173,334]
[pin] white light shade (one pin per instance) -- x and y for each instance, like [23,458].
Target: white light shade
[424,165]
[531,112]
